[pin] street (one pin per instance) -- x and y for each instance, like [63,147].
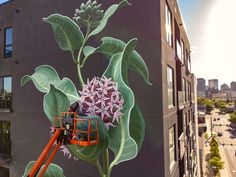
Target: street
[226,137]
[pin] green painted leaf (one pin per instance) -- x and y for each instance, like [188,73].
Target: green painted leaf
[92,153]
[109,12]
[111,46]
[137,125]
[88,50]
[54,103]
[45,75]
[52,171]
[67,33]
[120,141]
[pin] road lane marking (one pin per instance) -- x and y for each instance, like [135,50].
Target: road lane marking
[229,158]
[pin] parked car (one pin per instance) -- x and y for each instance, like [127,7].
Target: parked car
[219,134]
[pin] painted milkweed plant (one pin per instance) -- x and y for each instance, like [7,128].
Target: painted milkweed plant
[109,97]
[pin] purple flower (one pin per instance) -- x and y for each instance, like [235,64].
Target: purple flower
[101,97]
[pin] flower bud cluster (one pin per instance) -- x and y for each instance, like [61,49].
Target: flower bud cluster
[89,13]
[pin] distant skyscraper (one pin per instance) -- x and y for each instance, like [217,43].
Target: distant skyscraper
[224,87]
[233,86]
[213,84]
[201,87]
[201,84]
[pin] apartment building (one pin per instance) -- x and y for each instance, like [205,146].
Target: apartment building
[169,106]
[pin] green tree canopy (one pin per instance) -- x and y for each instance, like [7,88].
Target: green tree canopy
[232,117]
[217,163]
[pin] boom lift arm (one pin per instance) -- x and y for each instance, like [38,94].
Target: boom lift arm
[38,164]
[66,131]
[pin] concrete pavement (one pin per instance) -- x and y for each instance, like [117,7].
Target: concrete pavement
[226,171]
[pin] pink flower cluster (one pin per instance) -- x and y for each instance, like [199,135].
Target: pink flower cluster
[101,97]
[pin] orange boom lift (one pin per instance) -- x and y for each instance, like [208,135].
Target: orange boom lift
[68,129]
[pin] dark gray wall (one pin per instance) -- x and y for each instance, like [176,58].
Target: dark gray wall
[34,44]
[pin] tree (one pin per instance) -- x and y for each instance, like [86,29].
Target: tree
[232,117]
[215,160]
[214,148]
[200,101]
[222,106]
[209,105]
[217,104]
[216,163]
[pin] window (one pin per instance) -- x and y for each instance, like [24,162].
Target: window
[185,119]
[189,63]
[6,92]
[170,86]
[189,91]
[182,51]
[179,52]
[184,89]
[8,42]
[168,25]
[172,146]
[4,172]
[5,142]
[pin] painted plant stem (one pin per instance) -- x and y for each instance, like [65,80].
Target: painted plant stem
[79,66]
[99,168]
[106,161]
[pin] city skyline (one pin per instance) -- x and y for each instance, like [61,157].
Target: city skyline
[210,26]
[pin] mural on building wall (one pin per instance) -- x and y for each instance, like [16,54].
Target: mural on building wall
[117,124]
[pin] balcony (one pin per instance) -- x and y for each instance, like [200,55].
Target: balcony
[5,102]
[180,100]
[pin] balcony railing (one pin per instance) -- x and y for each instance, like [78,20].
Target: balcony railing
[6,101]
[180,100]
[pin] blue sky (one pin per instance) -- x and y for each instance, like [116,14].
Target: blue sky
[211,27]
[2,1]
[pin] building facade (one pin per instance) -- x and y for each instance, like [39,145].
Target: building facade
[169,106]
[213,84]
[233,86]
[224,87]
[201,87]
